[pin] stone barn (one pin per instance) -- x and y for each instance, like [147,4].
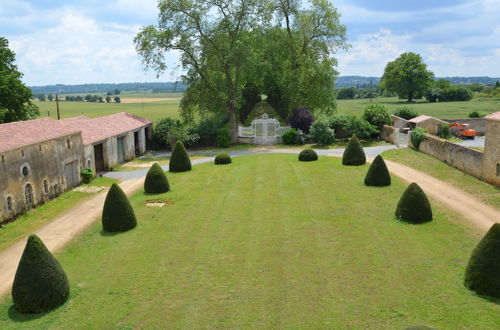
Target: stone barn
[491,162]
[112,139]
[39,159]
[430,124]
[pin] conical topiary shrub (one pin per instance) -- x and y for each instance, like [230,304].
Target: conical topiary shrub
[117,214]
[40,283]
[482,274]
[414,207]
[378,174]
[222,159]
[179,161]
[156,181]
[354,154]
[308,155]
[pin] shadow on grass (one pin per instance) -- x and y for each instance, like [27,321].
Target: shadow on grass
[16,316]
[112,233]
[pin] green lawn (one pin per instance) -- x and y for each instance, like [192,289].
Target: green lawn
[439,109]
[432,166]
[269,242]
[36,218]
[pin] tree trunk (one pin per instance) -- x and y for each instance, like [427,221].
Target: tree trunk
[410,96]
[233,121]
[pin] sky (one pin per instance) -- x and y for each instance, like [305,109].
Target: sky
[91,41]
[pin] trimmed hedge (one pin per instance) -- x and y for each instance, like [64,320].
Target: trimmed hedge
[156,181]
[482,274]
[117,214]
[378,174]
[354,154]
[308,155]
[40,284]
[414,207]
[179,161]
[222,159]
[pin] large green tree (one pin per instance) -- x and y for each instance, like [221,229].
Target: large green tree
[407,76]
[15,97]
[232,49]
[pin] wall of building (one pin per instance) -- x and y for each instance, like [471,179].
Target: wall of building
[465,159]
[477,124]
[431,125]
[389,134]
[45,163]
[491,167]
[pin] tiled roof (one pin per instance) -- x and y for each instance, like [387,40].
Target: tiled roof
[494,116]
[419,119]
[24,133]
[98,129]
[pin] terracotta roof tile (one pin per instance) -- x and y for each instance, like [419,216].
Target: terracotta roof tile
[493,116]
[419,119]
[24,133]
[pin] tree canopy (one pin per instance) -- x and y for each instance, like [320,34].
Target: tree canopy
[407,76]
[15,97]
[233,50]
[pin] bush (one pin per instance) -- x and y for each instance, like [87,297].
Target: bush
[40,284]
[377,115]
[222,159]
[321,133]
[179,160]
[354,154]
[346,126]
[289,137]
[475,114]
[156,181]
[414,207]
[87,175]
[405,113]
[308,155]
[223,137]
[207,131]
[444,131]
[161,131]
[417,136]
[117,213]
[378,174]
[482,274]
[301,118]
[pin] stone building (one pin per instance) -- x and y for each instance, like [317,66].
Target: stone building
[491,162]
[41,158]
[430,124]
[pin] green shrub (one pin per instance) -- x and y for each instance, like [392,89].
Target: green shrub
[378,174]
[222,159]
[417,136]
[321,133]
[405,113]
[475,114]
[161,131]
[117,213]
[87,175]
[156,181]
[289,137]
[308,155]
[444,131]
[377,115]
[179,160]
[414,207]
[40,284]
[482,274]
[345,126]
[223,137]
[354,154]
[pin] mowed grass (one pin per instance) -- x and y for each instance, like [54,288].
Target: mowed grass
[269,242]
[439,109]
[34,219]
[483,191]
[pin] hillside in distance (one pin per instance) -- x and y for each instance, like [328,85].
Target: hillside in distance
[360,81]
[156,87]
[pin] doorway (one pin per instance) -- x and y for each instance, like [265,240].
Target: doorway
[121,149]
[71,174]
[136,144]
[99,158]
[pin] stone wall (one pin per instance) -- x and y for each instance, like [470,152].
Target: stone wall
[491,167]
[389,134]
[477,124]
[465,159]
[42,168]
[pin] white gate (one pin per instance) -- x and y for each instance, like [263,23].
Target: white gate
[263,131]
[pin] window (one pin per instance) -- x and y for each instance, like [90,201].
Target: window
[68,143]
[46,186]
[498,169]
[22,153]
[40,147]
[25,170]
[28,192]
[10,207]
[3,159]
[89,164]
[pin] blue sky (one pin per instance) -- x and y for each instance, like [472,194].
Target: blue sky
[71,42]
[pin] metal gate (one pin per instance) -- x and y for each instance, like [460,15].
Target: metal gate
[71,174]
[263,131]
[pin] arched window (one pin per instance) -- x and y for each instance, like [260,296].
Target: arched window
[28,193]
[10,206]
[46,186]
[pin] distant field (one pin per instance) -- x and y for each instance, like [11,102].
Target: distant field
[440,110]
[156,106]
